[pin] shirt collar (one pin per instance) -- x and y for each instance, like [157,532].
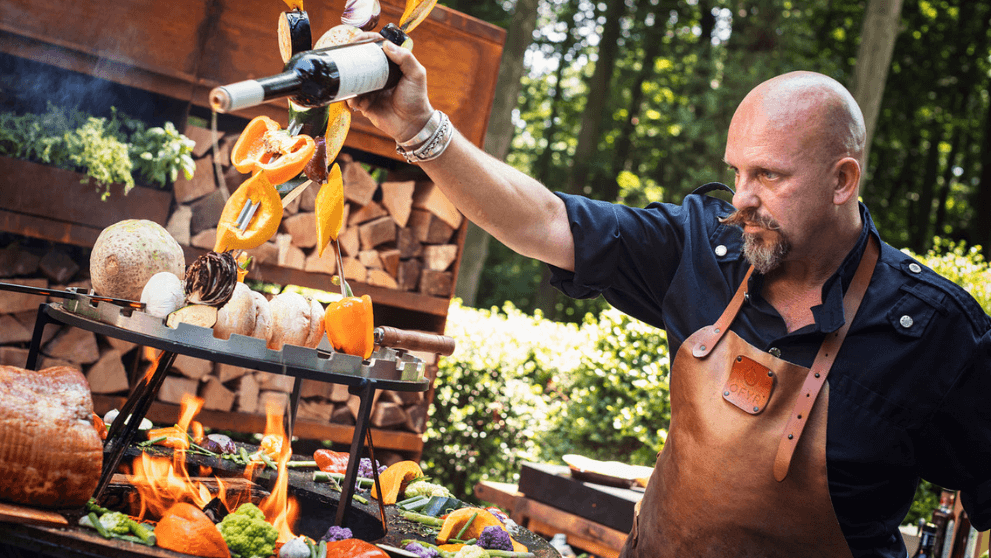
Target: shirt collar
[829,314]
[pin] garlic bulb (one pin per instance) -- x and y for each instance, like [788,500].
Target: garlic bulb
[163,294]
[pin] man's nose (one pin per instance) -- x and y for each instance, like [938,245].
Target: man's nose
[745,195]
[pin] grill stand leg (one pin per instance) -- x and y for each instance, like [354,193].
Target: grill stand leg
[120,435]
[365,392]
[39,330]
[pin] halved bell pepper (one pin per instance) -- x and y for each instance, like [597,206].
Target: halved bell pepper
[265,147]
[350,325]
[330,209]
[262,226]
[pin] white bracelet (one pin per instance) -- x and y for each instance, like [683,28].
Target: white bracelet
[434,145]
[424,134]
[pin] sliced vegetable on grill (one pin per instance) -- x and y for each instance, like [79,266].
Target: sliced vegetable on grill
[264,146]
[294,33]
[349,323]
[261,227]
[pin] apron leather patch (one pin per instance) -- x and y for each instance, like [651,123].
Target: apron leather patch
[749,385]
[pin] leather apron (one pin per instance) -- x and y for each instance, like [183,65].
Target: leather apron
[733,479]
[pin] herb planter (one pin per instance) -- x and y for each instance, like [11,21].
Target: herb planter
[32,192]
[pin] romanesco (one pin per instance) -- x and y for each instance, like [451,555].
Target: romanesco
[116,522]
[247,533]
[428,489]
[472,551]
[495,537]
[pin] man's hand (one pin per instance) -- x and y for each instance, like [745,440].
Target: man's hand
[403,110]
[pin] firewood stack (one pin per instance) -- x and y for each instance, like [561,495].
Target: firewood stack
[398,234]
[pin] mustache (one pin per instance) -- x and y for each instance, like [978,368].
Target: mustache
[749,216]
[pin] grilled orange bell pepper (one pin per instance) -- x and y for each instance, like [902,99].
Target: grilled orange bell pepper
[350,325]
[262,226]
[330,208]
[265,147]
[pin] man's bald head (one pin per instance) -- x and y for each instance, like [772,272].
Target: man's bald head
[825,109]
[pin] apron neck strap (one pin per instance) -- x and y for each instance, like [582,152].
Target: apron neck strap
[715,332]
[824,360]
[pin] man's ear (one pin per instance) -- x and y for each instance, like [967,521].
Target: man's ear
[847,173]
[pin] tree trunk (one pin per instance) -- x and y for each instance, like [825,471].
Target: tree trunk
[877,43]
[598,94]
[628,130]
[981,226]
[498,137]
[921,239]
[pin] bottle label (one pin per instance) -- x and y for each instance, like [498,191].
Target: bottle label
[362,68]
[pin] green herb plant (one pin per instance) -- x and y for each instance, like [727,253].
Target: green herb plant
[118,149]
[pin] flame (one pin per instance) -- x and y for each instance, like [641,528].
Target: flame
[280,510]
[154,355]
[162,482]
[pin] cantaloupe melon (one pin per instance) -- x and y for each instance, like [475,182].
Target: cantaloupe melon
[128,253]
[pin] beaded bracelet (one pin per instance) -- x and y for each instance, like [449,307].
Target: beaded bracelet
[434,146]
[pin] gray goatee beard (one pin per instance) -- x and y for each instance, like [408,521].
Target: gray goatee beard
[765,255]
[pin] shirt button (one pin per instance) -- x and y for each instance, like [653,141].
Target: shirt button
[776,352]
[720,250]
[906,321]
[915,268]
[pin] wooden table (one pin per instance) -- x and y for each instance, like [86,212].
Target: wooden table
[547,520]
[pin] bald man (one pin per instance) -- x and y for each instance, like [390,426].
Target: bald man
[818,372]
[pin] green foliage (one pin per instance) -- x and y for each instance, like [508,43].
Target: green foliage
[104,157]
[161,152]
[522,388]
[615,400]
[111,150]
[963,265]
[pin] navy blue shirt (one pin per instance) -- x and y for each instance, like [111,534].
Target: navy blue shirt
[909,393]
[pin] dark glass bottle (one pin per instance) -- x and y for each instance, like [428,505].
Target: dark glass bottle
[962,540]
[925,549]
[316,78]
[942,518]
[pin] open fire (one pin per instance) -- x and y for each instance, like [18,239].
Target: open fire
[162,482]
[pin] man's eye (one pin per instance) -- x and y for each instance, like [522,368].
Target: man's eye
[770,175]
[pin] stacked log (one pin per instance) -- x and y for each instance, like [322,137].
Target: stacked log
[398,234]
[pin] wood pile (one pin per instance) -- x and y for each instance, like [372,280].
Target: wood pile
[398,234]
[111,365]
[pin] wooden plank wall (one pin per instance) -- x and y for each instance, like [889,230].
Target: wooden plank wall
[184,48]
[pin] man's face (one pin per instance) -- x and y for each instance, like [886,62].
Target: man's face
[781,195]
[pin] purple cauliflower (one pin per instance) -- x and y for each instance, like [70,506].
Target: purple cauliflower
[494,537]
[336,533]
[421,551]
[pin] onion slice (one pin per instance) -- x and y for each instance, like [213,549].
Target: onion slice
[363,14]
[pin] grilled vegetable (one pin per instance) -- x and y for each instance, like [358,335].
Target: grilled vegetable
[294,33]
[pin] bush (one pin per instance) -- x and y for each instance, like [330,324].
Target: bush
[522,388]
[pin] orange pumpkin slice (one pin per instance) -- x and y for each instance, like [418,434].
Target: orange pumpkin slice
[185,528]
[395,479]
[456,520]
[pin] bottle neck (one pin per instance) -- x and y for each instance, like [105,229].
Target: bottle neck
[252,92]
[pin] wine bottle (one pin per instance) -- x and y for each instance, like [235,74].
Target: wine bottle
[925,549]
[316,78]
[942,518]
